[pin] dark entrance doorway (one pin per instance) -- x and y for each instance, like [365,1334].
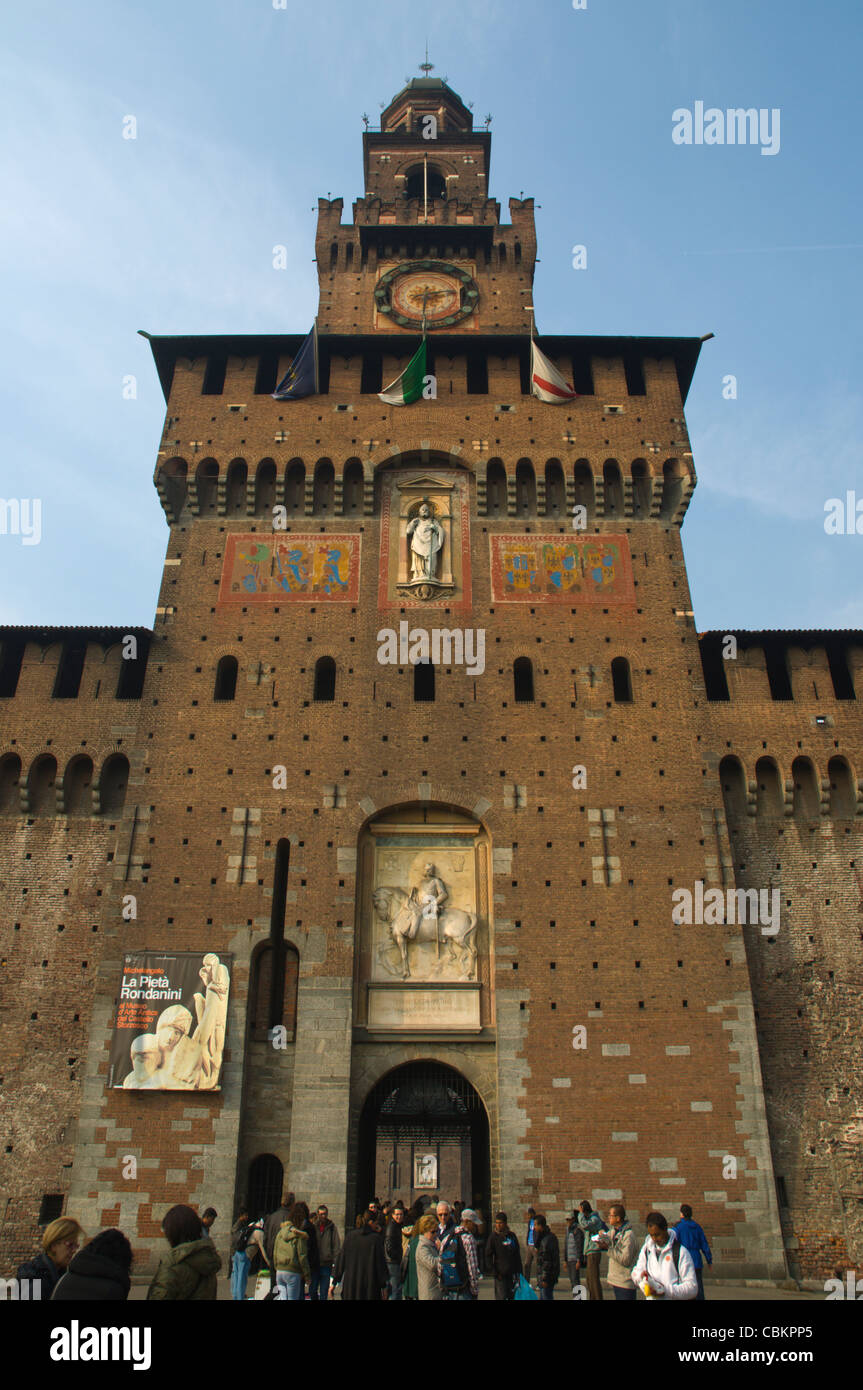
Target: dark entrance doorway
[424,1135]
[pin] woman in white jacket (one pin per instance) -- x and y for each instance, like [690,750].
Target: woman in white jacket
[664,1268]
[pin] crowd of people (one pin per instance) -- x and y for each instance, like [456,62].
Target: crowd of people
[393,1253]
[442,1253]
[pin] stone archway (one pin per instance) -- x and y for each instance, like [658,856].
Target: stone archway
[424,1134]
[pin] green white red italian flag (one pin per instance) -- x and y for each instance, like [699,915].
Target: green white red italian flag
[408,387]
[546,381]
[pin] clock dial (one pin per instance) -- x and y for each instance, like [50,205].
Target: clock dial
[441,293]
[449,292]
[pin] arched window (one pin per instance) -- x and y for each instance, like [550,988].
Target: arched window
[265,488]
[207,479]
[621,681]
[613,488]
[40,786]
[525,488]
[113,783]
[10,778]
[423,681]
[334,255]
[640,489]
[672,487]
[295,488]
[225,687]
[518,252]
[770,796]
[262,1014]
[235,492]
[495,489]
[807,802]
[555,495]
[325,679]
[733,782]
[584,489]
[324,487]
[416,184]
[349,255]
[501,253]
[78,787]
[843,793]
[266,1176]
[522,672]
[353,489]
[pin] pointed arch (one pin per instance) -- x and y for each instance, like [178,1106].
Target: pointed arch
[843,792]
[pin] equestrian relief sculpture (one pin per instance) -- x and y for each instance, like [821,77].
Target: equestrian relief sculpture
[420,917]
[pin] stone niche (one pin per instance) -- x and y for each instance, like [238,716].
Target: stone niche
[425,539]
[422,924]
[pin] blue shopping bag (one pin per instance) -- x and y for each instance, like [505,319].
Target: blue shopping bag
[524,1291]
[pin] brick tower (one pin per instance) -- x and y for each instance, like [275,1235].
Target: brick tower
[443,886]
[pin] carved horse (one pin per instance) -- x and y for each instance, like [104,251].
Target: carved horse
[403,913]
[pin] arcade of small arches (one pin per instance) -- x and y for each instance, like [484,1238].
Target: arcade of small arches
[804,795]
[324,680]
[520,488]
[77,793]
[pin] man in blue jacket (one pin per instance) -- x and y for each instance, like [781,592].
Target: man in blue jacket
[693,1239]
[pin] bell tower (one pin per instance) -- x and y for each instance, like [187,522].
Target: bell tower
[426,233]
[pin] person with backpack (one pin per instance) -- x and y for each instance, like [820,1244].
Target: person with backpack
[272,1225]
[240,1233]
[664,1268]
[466,1231]
[622,1254]
[290,1255]
[503,1259]
[454,1277]
[693,1239]
[594,1228]
[547,1258]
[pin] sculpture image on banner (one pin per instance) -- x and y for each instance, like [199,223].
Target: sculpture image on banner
[169,1026]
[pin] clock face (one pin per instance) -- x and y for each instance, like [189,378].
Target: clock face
[449,293]
[440,293]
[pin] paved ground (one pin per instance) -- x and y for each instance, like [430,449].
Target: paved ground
[716,1292]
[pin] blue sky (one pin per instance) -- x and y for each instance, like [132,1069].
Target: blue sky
[246,114]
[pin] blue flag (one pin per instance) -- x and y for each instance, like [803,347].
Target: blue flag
[301,378]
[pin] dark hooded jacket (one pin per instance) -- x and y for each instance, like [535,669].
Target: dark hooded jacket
[187,1272]
[92,1278]
[361,1266]
[42,1269]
